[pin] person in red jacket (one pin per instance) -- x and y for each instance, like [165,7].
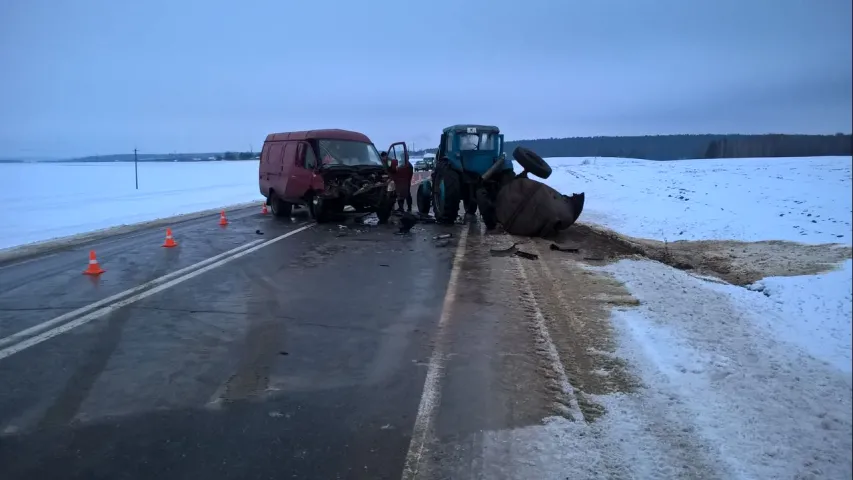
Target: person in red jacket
[402,174]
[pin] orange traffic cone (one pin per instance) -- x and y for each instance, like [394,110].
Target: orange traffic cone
[170,242]
[264,210]
[222,220]
[94,268]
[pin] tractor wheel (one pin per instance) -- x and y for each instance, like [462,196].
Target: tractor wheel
[424,198]
[532,162]
[446,193]
[487,209]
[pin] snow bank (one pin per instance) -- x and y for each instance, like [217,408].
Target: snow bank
[773,404]
[805,200]
[737,382]
[48,200]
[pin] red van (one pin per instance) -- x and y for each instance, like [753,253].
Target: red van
[326,170]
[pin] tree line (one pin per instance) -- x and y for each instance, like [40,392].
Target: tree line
[679,147]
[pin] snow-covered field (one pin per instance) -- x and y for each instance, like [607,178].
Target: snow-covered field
[804,200]
[738,382]
[42,201]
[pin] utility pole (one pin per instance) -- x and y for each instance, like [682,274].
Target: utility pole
[136,168]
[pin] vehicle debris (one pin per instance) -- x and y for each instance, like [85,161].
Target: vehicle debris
[531,208]
[513,251]
[407,221]
[442,236]
[561,248]
[527,255]
[503,252]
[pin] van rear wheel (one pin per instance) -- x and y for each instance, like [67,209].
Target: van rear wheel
[279,207]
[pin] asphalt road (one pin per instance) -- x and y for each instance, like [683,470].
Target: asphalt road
[264,349]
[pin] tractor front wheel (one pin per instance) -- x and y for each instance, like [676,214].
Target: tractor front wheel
[446,193]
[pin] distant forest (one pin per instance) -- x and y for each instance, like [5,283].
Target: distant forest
[650,147]
[678,147]
[152,157]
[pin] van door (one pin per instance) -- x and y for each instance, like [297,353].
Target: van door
[399,152]
[303,176]
[271,168]
[264,170]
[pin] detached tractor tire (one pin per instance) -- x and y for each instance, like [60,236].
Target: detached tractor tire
[532,162]
[279,207]
[446,193]
[424,198]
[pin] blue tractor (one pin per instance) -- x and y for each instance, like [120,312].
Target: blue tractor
[471,169]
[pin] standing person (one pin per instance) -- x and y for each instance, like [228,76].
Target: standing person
[384,157]
[402,175]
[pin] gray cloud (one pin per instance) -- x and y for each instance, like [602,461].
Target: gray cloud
[105,76]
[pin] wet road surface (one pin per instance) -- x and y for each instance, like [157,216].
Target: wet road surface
[304,351]
[299,359]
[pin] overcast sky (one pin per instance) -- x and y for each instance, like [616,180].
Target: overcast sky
[86,77]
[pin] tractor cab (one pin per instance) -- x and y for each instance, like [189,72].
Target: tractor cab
[472,149]
[471,169]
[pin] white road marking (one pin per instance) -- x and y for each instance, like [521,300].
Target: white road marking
[68,316]
[159,285]
[431,396]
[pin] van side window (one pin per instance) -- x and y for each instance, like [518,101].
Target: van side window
[310,159]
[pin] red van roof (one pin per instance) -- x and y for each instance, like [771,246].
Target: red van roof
[328,134]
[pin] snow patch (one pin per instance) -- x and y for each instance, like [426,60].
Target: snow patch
[42,201]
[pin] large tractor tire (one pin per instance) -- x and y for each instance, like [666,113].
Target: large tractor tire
[446,193]
[532,162]
[424,197]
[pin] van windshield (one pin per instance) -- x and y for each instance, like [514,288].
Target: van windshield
[348,152]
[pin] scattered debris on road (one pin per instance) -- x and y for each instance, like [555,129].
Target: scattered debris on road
[561,248]
[513,251]
[407,221]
